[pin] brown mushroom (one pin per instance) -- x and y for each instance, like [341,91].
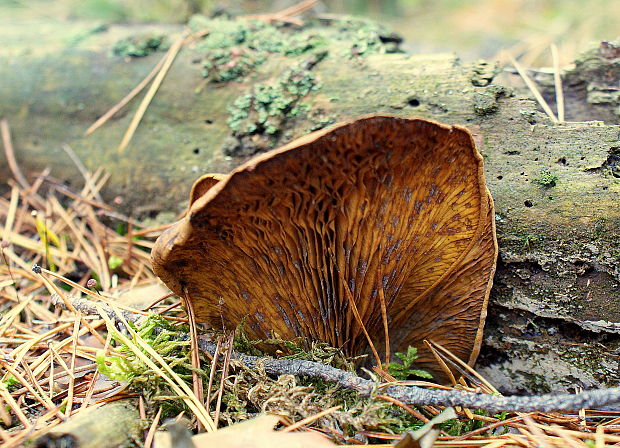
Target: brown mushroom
[381,208]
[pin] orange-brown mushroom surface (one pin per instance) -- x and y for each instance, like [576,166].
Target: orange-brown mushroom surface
[387,213]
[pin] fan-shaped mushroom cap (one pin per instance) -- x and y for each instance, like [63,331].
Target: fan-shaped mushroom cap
[381,202]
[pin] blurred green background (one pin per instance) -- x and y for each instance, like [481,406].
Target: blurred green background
[471,28]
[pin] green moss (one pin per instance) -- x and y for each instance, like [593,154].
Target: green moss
[546,179]
[403,370]
[139,46]
[169,342]
[458,427]
[247,392]
[10,382]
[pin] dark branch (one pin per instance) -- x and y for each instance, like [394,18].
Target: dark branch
[592,399]
[419,396]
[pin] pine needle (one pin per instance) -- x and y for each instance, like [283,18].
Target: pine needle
[150,94]
[530,84]
[10,155]
[122,103]
[165,372]
[557,78]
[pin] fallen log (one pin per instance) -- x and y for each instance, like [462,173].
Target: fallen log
[554,319]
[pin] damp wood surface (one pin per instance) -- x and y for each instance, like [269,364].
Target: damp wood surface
[115,424]
[554,318]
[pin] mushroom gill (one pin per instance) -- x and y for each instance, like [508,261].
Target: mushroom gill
[380,207]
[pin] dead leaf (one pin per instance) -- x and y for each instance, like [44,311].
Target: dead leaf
[141,296]
[259,433]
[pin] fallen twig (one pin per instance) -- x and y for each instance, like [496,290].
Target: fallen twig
[118,106]
[169,59]
[410,395]
[87,306]
[286,15]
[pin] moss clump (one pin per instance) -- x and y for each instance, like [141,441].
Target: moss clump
[403,370]
[459,427]
[250,391]
[170,343]
[546,179]
[139,46]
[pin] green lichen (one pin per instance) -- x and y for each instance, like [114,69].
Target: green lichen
[223,32]
[267,113]
[138,46]
[366,36]
[319,122]
[227,65]
[233,48]
[268,105]
[546,179]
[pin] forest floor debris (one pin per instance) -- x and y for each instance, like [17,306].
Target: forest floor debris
[58,361]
